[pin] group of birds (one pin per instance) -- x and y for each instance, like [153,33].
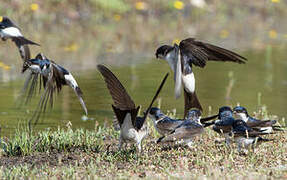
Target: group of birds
[235,123]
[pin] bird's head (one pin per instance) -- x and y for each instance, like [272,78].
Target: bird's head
[240,112]
[194,114]
[225,111]
[155,113]
[5,22]
[163,51]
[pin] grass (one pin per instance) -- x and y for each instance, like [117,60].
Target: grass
[74,154]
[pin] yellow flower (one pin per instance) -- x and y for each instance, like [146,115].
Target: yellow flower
[7,68]
[2,64]
[272,34]
[176,41]
[285,35]
[71,48]
[117,17]
[34,7]
[275,1]
[141,5]
[178,5]
[1,18]
[224,34]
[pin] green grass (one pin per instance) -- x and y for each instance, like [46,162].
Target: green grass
[80,153]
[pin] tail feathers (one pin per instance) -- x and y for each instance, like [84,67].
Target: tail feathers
[208,124]
[160,139]
[203,120]
[23,41]
[191,101]
[79,93]
[260,139]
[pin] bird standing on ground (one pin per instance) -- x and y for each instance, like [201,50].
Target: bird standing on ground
[181,59]
[187,130]
[246,136]
[133,128]
[264,125]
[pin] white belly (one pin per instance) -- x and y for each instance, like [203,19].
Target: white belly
[189,82]
[11,32]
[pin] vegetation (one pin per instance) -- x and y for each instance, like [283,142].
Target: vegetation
[80,153]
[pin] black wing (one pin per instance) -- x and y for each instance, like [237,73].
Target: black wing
[140,121]
[197,53]
[123,103]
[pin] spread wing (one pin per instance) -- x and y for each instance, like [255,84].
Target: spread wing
[123,103]
[198,53]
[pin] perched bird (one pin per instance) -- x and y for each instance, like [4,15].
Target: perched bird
[186,131]
[163,124]
[264,125]
[52,77]
[181,59]
[246,136]
[223,125]
[8,30]
[133,128]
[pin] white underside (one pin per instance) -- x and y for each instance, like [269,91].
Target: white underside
[189,82]
[10,32]
[129,134]
[241,116]
[70,80]
[266,129]
[35,68]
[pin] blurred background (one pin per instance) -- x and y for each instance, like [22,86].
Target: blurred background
[124,34]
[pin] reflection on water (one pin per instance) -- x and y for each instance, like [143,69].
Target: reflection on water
[217,84]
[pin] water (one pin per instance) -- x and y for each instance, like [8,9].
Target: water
[265,72]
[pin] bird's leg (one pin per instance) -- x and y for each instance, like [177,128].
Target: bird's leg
[120,143]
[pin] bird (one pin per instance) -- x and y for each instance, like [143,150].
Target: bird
[133,128]
[191,52]
[223,125]
[163,124]
[245,136]
[264,125]
[187,130]
[8,30]
[52,78]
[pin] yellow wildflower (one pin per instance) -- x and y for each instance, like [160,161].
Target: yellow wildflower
[1,18]
[285,35]
[6,67]
[178,5]
[176,41]
[272,34]
[224,34]
[141,5]
[117,17]
[34,7]
[71,48]
[275,1]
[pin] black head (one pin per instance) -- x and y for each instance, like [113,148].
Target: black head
[193,114]
[155,112]
[6,22]
[162,51]
[240,109]
[225,111]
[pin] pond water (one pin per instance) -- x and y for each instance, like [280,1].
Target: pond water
[265,73]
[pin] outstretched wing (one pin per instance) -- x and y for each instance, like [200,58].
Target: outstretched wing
[140,121]
[197,53]
[123,103]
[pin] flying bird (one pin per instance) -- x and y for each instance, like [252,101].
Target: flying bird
[187,130]
[52,78]
[265,125]
[8,30]
[192,52]
[133,128]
